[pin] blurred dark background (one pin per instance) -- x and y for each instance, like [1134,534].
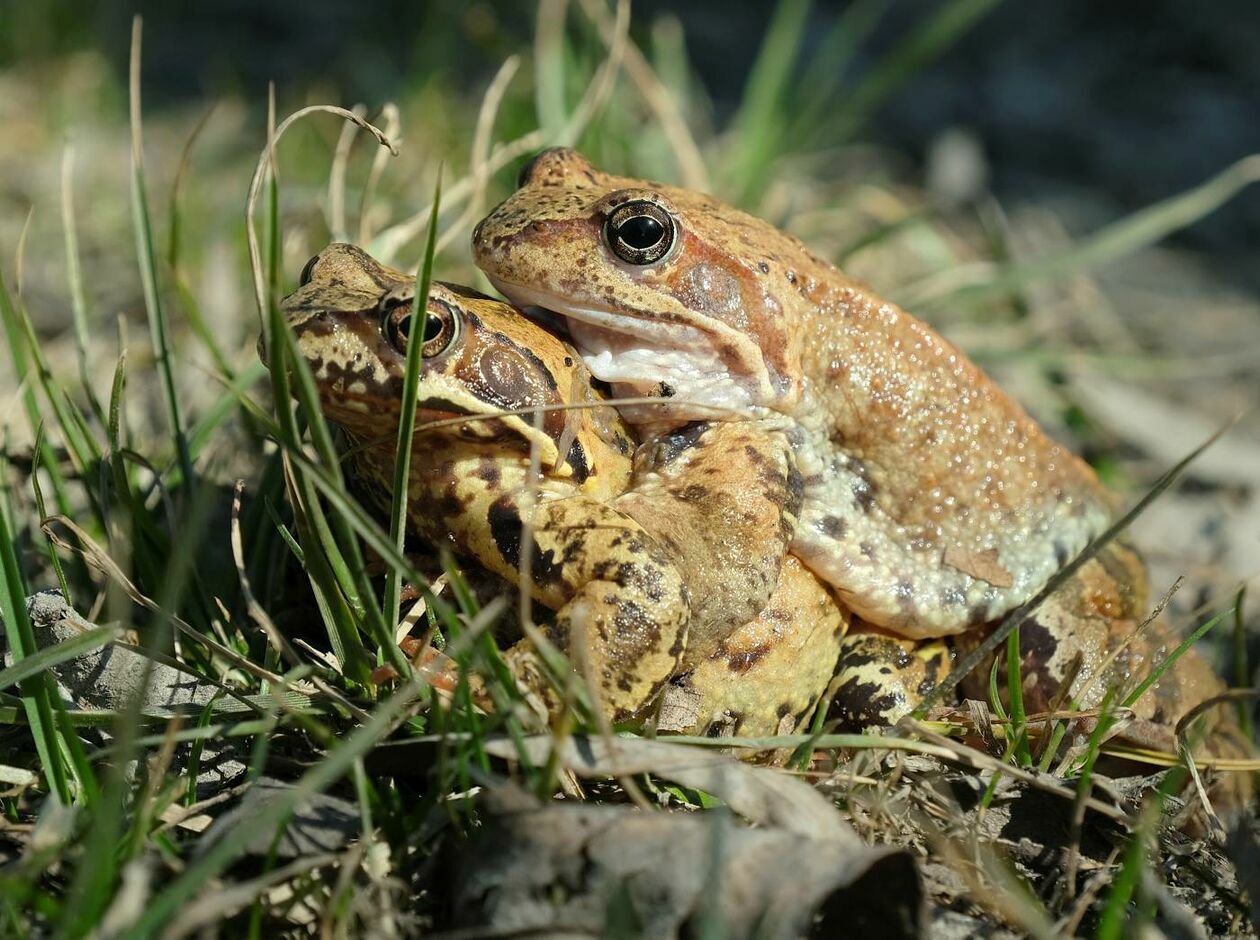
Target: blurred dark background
[1137,100]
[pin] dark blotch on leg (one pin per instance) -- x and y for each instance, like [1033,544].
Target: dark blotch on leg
[505,528]
[577,460]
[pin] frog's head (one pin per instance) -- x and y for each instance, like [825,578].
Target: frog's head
[352,318]
[667,292]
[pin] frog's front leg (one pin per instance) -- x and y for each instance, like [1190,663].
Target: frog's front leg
[621,610]
[721,498]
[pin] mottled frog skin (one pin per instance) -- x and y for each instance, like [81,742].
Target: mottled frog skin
[624,595]
[931,501]
[1078,644]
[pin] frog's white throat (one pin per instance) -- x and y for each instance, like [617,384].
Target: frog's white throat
[671,363]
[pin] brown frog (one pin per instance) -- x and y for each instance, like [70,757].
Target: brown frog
[931,501]
[496,387]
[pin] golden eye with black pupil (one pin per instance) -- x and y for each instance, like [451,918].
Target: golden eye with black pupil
[441,328]
[640,232]
[305,277]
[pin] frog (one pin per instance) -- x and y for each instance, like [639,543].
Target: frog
[932,502]
[517,456]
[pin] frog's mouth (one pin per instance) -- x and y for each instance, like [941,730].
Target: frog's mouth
[641,358]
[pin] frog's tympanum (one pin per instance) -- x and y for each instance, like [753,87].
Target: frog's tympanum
[496,391]
[931,501]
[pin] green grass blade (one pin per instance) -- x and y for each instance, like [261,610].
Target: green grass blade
[1242,672]
[925,42]
[74,423]
[142,226]
[880,233]
[22,343]
[1051,748]
[550,53]
[332,768]
[342,633]
[816,93]
[335,532]
[1115,922]
[995,699]
[74,275]
[84,775]
[117,388]
[320,525]
[1171,658]
[37,489]
[44,456]
[175,243]
[758,125]
[1123,237]
[1015,694]
[146,542]
[335,611]
[211,422]
[286,535]
[37,691]
[1084,784]
[407,415]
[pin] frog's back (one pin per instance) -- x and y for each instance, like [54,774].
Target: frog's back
[923,474]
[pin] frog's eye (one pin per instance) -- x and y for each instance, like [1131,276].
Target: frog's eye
[441,328]
[305,277]
[640,232]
